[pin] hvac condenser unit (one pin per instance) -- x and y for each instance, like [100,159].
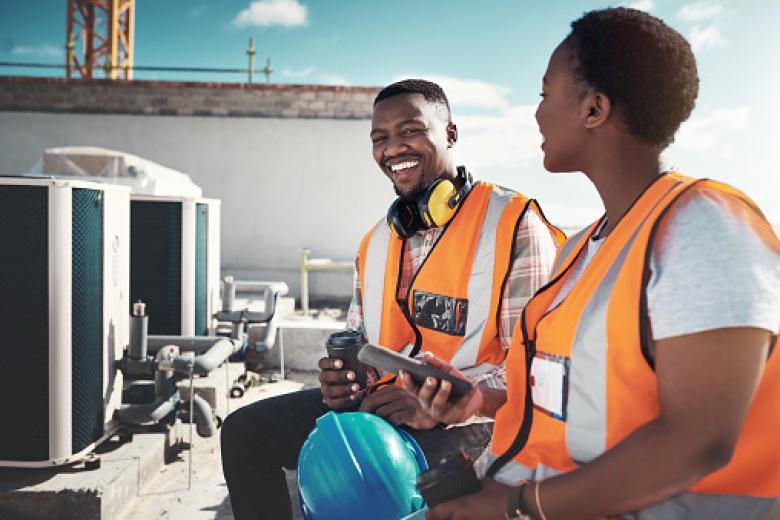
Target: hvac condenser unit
[64,250]
[174,262]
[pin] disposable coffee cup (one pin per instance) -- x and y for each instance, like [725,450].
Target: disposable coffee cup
[454,477]
[345,345]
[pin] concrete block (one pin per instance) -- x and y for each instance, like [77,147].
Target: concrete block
[73,492]
[213,388]
[304,342]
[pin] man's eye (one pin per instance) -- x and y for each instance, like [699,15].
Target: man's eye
[377,139]
[410,131]
[541,94]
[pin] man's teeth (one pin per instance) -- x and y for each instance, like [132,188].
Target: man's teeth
[403,166]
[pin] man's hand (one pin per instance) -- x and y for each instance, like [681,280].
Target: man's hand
[398,407]
[338,386]
[489,502]
[433,396]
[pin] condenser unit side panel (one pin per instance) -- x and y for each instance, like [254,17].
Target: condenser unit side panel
[87,304]
[24,320]
[214,302]
[201,269]
[155,263]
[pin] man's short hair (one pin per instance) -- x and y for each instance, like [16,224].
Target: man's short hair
[429,90]
[645,67]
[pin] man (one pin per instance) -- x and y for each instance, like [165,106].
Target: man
[460,259]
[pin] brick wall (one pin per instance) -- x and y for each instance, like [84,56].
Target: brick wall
[185,98]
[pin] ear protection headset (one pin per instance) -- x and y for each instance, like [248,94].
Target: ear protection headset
[434,208]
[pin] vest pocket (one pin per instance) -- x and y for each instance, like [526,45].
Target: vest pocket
[440,313]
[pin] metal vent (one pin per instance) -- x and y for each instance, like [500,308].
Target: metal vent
[155,263]
[24,320]
[87,332]
[201,269]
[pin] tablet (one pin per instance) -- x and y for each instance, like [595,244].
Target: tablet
[389,361]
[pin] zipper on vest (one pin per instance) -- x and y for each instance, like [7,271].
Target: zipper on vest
[521,439]
[525,426]
[403,304]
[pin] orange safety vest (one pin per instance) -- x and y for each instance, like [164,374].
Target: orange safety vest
[452,306]
[598,337]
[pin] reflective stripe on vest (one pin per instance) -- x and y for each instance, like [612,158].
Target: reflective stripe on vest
[372,280]
[569,247]
[469,261]
[611,388]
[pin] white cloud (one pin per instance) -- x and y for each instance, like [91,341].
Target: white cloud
[510,140]
[642,5]
[706,133]
[699,11]
[297,73]
[468,93]
[332,79]
[43,50]
[706,38]
[264,13]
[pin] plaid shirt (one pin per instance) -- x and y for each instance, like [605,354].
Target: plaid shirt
[532,262]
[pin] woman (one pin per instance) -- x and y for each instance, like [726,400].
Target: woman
[641,381]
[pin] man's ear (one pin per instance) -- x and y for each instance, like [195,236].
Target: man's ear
[452,134]
[596,108]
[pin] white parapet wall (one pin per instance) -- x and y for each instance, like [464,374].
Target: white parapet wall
[291,164]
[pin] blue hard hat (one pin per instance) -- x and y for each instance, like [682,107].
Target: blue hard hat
[354,465]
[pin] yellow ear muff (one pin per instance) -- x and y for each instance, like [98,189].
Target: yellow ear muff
[439,211]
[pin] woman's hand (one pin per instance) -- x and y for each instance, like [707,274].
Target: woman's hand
[490,502]
[434,395]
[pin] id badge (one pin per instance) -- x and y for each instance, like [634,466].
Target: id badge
[549,381]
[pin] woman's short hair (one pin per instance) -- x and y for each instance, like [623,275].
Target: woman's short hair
[645,67]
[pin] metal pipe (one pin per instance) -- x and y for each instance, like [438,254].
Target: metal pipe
[209,360]
[139,326]
[228,294]
[202,416]
[317,264]
[194,343]
[267,343]
[137,414]
[305,281]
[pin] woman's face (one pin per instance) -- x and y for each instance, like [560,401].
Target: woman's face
[560,115]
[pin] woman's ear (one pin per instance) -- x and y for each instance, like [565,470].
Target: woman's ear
[597,108]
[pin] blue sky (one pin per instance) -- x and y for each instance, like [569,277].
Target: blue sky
[489,56]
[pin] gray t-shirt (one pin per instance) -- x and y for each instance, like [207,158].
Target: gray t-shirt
[709,270]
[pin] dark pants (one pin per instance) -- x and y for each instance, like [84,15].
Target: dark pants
[260,439]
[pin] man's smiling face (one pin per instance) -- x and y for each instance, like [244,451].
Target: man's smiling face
[411,140]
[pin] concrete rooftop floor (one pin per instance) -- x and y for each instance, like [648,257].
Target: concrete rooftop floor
[166,496]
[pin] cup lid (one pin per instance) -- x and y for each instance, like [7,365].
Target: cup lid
[345,338]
